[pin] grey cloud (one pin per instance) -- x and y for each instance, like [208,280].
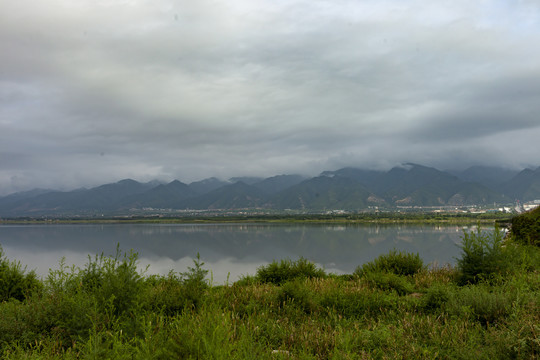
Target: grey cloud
[194,89]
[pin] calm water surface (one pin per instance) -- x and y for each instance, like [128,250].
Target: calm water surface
[228,250]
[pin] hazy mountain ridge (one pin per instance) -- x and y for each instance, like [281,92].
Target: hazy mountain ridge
[233,196]
[322,193]
[346,188]
[492,177]
[524,186]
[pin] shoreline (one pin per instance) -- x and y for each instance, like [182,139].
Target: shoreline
[349,219]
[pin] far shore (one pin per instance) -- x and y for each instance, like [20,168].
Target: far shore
[362,218]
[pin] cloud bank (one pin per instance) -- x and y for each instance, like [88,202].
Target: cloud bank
[97,91]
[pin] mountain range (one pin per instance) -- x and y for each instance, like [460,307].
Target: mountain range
[344,189]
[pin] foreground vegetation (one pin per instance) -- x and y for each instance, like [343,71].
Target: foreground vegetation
[487,307]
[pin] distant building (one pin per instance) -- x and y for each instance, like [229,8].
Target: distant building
[531,205]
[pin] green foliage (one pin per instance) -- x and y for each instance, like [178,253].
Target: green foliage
[280,272]
[173,293]
[297,294]
[480,304]
[388,282]
[246,280]
[164,294]
[359,305]
[332,317]
[436,297]
[526,228]
[194,282]
[520,258]
[113,280]
[395,262]
[482,256]
[15,283]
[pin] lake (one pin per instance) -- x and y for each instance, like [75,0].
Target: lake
[228,250]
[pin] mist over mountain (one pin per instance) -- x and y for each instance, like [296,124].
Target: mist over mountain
[275,184]
[207,185]
[323,192]
[524,186]
[347,188]
[233,196]
[492,177]
[161,196]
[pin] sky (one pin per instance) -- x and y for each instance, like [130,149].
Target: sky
[95,91]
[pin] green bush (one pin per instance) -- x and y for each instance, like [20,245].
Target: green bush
[296,293]
[173,293]
[114,280]
[526,228]
[435,297]
[194,281]
[164,294]
[180,316]
[15,283]
[521,258]
[389,282]
[67,317]
[279,273]
[247,280]
[480,304]
[482,256]
[396,262]
[14,326]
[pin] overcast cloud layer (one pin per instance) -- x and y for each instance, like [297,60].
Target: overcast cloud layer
[94,91]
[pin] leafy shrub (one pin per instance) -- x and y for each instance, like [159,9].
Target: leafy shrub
[279,273]
[246,280]
[389,282]
[194,281]
[480,303]
[15,283]
[482,256]
[114,280]
[13,324]
[396,262]
[164,294]
[526,228]
[435,297]
[64,317]
[175,292]
[295,292]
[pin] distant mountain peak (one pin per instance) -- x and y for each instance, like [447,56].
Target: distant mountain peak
[250,180]
[176,182]
[127,181]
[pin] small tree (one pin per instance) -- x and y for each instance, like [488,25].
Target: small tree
[482,255]
[194,281]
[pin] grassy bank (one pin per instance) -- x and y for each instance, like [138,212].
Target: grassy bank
[487,307]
